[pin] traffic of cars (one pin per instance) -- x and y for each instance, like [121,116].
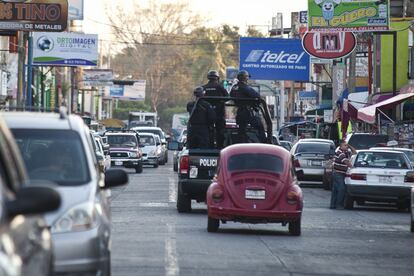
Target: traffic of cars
[57,175]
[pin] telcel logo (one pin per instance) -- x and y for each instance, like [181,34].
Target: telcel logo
[269,57]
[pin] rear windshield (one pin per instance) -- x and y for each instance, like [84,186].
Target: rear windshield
[322,148]
[367,141]
[391,160]
[251,162]
[122,141]
[153,131]
[147,140]
[53,155]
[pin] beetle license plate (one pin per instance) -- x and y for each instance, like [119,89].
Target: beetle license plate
[255,194]
[385,179]
[118,163]
[316,163]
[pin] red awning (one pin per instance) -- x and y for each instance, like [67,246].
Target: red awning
[368,114]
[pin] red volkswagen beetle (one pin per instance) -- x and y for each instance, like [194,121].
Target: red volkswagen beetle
[255,183]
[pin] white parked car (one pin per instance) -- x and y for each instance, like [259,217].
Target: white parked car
[151,149]
[379,176]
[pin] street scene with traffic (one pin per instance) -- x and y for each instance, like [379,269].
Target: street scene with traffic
[169,137]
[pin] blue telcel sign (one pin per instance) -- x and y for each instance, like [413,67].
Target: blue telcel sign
[274,59]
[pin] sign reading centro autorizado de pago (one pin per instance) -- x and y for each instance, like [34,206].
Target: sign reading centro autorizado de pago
[274,59]
[348,15]
[65,49]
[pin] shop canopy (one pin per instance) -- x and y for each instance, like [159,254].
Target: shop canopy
[368,114]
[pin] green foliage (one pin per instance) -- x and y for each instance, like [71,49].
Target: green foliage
[167,114]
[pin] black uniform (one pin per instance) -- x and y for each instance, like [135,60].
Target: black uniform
[215,89]
[202,116]
[245,114]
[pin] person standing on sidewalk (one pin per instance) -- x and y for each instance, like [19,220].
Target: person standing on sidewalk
[340,166]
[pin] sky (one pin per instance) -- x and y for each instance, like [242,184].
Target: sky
[217,12]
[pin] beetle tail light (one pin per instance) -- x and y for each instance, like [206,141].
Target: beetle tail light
[217,195]
[357,176]
[184,164]
[293,197]
[296,163]
[409,177]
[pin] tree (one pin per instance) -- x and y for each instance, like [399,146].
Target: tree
[157,46]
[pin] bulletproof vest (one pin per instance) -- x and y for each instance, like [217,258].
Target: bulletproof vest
[242,90]
[214,90]
[200,114]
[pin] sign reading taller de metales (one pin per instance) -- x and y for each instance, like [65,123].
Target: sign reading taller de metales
[274,59]
[34,15]
[348,15]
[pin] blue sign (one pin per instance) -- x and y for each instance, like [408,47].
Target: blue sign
[303,17]
[274,59]
[117,91]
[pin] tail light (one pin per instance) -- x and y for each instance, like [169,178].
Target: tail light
[409,177]
[217,195]
[357,176]
[184,164]
[296,163]
[293,197]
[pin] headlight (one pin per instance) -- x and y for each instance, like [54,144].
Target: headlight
[133,154]
[158,151]
[79,218]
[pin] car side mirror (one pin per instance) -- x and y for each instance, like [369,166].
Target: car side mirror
[115,178]
[158,144]
[33,200]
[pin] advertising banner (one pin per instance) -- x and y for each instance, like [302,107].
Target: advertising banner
[65,49]
[98,77]
[329,45]
[75,9]
[134,92]
[348,15]
[34,16]
[274,59]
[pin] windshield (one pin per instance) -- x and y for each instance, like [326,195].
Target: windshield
[359,141]
[322,148]
[249,162]
[147,141]
[122,141]
[391,160]
[54,155]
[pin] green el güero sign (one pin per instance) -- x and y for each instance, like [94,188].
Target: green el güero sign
[348,15]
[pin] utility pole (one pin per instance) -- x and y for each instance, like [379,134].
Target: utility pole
[352,69]
[21,61]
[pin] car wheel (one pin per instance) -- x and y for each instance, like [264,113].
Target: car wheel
[412,226]
[402,206]
[138,169]
[349,202]
[161,162]
[106,268]
[295,227]
[325,184]
[155,165]
[360,202]
[183,203]
[175,167]
[212,225]
[166,158]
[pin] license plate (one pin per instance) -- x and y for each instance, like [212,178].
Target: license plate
[193,172]
[385,179]
[118,163]
[255,194]
[316,163]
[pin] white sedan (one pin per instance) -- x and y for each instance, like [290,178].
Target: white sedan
[379,176]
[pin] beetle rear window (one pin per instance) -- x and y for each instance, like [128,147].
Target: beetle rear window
[252,162]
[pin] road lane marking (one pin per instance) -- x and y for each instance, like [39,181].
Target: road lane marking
[172,190]
[171,260]
[153,204]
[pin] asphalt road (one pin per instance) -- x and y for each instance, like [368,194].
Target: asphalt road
[149,237]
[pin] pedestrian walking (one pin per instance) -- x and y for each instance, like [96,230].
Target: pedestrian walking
[340,166]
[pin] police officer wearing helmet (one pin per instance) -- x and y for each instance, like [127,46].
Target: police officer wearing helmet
[246,114]
[202,116]
[214,89]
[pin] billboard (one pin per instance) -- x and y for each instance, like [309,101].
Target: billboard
[348,15]
[75,9]
[65,49]
[131,90]
[98,77]
[329,45]
[274,59]
[34,16]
